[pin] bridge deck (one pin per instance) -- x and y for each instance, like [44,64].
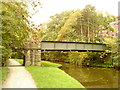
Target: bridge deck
[72,46]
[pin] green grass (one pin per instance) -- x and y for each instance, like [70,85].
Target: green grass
[43,63]
[3,74]
[19,60]
[52,77]
[50,64]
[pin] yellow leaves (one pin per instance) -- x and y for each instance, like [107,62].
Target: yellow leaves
[27,30]
[39,25]
[107,51]
[110,41]
[67,26]
[32,25]
[101,56]
[83,55]
[2,47]
[16,36]
[35,35]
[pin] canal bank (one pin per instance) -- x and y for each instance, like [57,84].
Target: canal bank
[49,76]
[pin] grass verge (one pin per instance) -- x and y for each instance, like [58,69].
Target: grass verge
[50,64]
[52,77]
[19,60]
[3,74]
[43,63]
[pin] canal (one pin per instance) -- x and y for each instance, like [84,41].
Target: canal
[92,77]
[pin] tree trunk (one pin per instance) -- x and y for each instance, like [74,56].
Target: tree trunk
[88,36]
[81,31]
[93,32]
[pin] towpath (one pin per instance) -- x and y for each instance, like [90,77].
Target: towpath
[18,77]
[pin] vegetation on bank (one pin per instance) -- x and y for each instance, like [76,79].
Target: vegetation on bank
[78,58]
[52,77]
[105,64]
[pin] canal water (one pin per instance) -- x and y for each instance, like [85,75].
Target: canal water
[92,77]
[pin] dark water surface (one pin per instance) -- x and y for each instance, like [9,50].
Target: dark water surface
[93,77]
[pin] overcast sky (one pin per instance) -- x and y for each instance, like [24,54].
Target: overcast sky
[51,7]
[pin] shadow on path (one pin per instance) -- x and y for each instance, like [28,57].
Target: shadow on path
[15,66]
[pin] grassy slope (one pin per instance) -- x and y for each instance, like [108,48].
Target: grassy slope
[51,77]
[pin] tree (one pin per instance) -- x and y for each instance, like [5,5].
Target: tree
[112,45]
[14,27]
[54,25]
[90,23]
[68,26]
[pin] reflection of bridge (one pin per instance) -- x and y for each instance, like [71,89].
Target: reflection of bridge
[32,51]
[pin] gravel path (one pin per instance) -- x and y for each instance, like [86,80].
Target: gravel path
[18,77]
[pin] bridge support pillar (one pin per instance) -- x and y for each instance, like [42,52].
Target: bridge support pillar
[32,54]
[32,57]
[27,58]
[35,57]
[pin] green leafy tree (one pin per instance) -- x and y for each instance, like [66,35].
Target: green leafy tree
[112,45]
[14,27]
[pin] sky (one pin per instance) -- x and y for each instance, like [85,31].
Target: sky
[52,7]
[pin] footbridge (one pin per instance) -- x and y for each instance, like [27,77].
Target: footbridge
[32,50]
[72,46]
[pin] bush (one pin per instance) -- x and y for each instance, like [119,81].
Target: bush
[54,55]
[78,58]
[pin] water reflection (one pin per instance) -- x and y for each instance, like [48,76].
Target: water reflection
[93,77]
